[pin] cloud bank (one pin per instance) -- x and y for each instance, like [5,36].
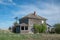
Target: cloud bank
[49,9]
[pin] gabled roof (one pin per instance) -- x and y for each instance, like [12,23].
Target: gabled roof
[34,16]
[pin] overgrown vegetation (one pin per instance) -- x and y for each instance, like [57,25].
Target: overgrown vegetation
[4,35]
[39,28]
[57,28]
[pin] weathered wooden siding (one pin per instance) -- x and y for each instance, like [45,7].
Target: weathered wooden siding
[35,21]
[24,31]
[32,22]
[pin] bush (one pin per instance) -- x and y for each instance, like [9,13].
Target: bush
[9,28]
[44,28]
[39,28]
[52,31]
[57,28]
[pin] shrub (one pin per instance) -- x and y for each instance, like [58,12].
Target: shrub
[52,31]
[9,28]
[36,28]
[39,28]
[44,27]
[57,28]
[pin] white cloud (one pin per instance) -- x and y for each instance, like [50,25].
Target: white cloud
[49,9]
[26,9]
[9,2]
[51,12]
[6,24]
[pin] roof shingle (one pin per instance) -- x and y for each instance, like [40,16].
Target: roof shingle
[34,16]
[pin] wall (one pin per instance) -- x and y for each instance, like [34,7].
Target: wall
[32,22]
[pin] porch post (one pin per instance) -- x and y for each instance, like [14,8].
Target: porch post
[24,27]
[20,28]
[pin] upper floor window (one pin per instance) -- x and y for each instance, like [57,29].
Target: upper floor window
[42,21]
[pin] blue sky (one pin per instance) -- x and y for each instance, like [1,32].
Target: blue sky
[9,9]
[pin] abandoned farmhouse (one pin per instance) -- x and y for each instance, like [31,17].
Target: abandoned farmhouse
[26,23]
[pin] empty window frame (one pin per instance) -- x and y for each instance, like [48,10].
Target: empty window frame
[22,27]
[26,27]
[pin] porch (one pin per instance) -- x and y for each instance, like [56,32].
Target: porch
[24,28]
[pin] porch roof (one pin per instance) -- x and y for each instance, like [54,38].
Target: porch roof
[34,16]
[23,24]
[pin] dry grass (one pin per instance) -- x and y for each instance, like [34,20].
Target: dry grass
[5,35]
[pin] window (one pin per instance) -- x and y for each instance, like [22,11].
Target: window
[42,22]
[22,28]
[26,27]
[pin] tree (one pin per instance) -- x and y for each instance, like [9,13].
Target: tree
[57,28]
[16,19]
[39,28]
[16,23]
[9,28]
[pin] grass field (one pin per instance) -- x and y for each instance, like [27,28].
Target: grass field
[11,36]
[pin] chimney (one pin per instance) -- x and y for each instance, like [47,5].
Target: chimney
[34,13]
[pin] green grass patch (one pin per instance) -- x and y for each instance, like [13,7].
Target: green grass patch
[12,36]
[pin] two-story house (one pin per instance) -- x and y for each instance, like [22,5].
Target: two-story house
[27,22]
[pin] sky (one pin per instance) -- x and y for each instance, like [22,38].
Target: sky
[9,9]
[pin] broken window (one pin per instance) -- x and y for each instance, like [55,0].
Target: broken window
[26,27]
[22,28]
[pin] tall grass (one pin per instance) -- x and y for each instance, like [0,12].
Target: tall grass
[12,36]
